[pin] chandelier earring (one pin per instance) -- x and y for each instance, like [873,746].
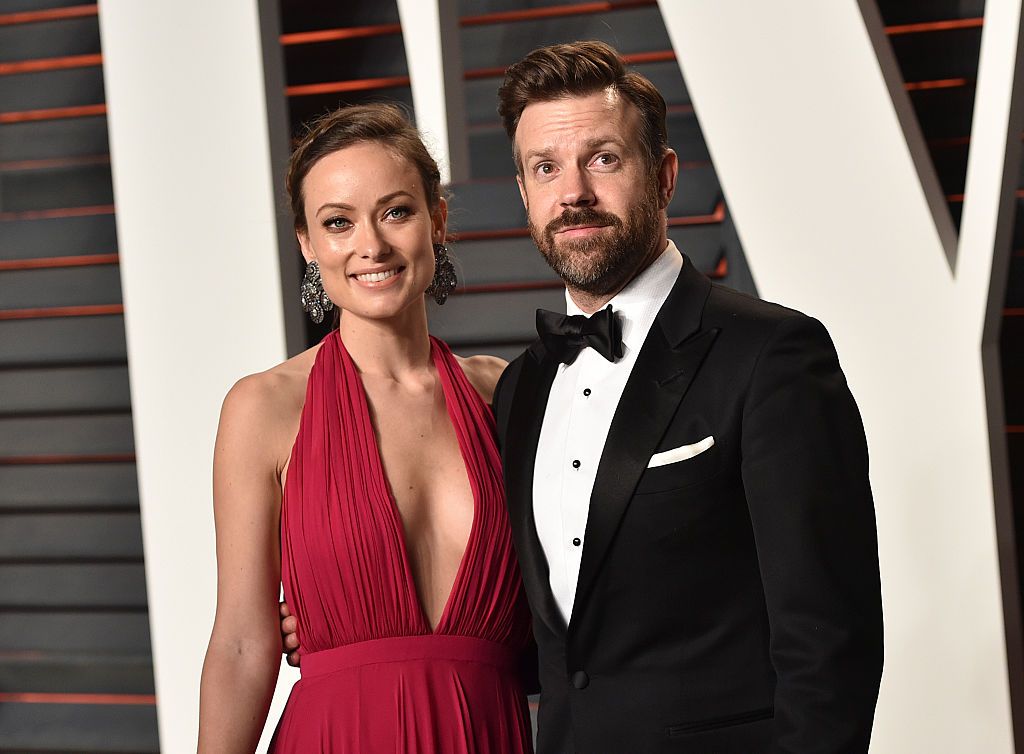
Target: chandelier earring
[444,280]
[314,299]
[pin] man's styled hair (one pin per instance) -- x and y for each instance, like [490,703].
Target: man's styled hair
[578,69]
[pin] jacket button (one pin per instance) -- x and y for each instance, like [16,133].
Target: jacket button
[580,679]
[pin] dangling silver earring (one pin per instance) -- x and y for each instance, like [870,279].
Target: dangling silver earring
[315,301]
[444,275]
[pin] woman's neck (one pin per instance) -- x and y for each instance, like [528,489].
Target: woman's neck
[397,348]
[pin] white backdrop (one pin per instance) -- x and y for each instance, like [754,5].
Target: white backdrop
[202,294]
[836,220]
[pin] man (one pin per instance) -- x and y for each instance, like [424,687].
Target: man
[685,467]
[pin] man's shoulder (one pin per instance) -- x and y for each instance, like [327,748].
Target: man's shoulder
[735,310]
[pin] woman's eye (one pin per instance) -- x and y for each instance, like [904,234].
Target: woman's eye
[336,223]
[397,213]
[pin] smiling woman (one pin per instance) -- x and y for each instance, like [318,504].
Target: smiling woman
[363,474]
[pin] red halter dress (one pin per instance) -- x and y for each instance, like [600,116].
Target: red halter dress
[375,678]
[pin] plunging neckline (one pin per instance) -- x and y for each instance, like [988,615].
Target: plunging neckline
[377,462]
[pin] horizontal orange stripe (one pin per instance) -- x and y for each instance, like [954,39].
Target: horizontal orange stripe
[62,311]
[56,14]
[55,162]
[1014,311]
[554,11]
[50,64]
[117,699]
[56,113]
[356,85]
[956,23]
[41,263]
[49,214]
[333,35]
[55,460]
[1015,429]
[917,86]
[715,217]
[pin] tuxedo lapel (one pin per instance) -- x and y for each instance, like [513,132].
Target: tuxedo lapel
[665,368]
[529,401]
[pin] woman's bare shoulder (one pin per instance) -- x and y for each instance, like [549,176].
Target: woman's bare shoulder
[483,373]
[266,405]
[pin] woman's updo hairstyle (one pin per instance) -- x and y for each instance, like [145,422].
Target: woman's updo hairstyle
[356,124]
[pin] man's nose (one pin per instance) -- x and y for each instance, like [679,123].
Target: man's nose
[577,190]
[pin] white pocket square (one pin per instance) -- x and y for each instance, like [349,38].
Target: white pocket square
[682,453]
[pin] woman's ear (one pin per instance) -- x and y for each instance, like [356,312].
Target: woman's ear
[304,246]
[439,221]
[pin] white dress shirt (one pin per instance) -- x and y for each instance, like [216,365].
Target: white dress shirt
[579,412]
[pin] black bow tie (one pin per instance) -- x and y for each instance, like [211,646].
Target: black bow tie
[565,336]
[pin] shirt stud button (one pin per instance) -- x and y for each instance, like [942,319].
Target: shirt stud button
[576,541]
[586,391]
[576,464]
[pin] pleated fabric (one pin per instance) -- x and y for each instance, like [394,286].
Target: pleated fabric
[375,678]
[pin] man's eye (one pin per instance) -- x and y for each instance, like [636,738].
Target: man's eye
[607,159]
[544,168]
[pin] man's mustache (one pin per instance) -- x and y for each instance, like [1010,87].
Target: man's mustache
[584,216]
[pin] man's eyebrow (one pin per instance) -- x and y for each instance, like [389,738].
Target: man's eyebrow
[600,141]
[545,152]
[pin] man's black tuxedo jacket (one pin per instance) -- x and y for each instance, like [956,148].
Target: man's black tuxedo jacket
[728,603]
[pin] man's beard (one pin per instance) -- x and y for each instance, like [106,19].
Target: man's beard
[603,263]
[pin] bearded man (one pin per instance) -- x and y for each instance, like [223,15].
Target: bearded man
[686,470]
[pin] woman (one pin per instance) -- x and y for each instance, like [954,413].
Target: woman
[363,473]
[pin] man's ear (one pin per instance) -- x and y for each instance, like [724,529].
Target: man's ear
[522,191]
[439,221]
[668,172]
[304,245]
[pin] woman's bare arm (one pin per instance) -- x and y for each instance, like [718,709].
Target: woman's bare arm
[243,657]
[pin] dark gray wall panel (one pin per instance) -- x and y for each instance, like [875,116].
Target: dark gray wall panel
[70,535]
[47,89]
[499,261]
[486,205]
[108,632]
[60,286]
[75,36]
[639,30]
[62,340]
[72,434]
[76,673]
[97,485]
[37,140]
[78,186]
[72,585]
[72,389]
[78,728]
[492,317]
[58,237]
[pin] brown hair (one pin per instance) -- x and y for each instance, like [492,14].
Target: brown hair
[577,69]
[354,124]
